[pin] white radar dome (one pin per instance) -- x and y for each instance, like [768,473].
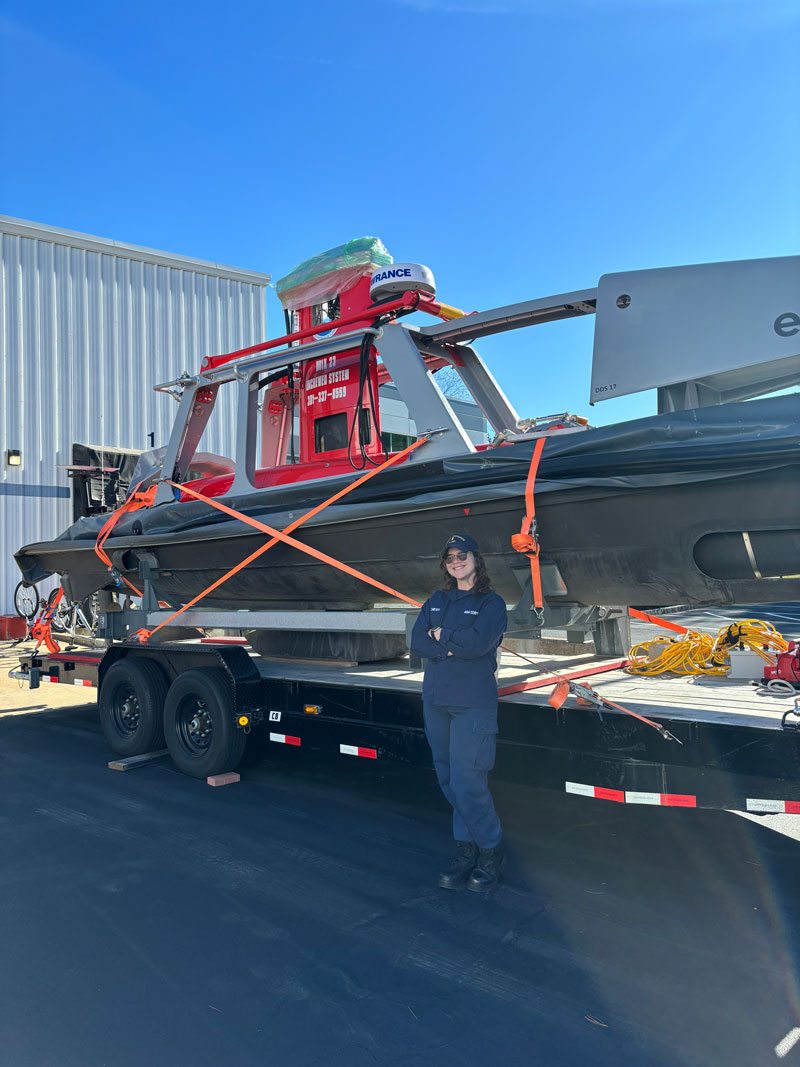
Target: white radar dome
[393,281]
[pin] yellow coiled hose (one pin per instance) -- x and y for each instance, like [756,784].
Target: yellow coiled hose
[698,653]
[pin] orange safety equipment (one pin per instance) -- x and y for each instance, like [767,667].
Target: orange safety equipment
[527,541]
[278,535]
[135,502]
[656,620]
[41,628]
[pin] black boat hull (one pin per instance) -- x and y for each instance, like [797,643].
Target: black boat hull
[652,513]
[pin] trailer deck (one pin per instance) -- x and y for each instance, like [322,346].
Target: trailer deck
[692,699]
[695,699]
[732,748]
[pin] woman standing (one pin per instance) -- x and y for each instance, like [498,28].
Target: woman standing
[458,632]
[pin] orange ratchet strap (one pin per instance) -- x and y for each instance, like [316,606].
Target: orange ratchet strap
[133,503]
[566,682]
[277,535]
[41,629]
[552,679]
[527,541]
[656,620]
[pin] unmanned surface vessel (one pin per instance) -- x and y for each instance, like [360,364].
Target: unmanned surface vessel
[699,504]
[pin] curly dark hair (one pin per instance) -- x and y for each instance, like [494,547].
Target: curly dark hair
[482,583]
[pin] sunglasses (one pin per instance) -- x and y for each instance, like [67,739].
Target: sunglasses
[460,556]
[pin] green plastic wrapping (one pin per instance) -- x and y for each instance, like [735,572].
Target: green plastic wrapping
[322,277]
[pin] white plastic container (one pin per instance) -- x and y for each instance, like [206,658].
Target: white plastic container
[746,665]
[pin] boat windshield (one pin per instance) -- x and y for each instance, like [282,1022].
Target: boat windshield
[147,469]
[204,465]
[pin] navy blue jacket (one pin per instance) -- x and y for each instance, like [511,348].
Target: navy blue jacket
[472,628]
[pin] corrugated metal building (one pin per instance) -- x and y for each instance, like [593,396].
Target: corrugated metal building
[87,327]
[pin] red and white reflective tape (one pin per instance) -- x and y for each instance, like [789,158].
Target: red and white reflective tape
[285,739]
[629,796]
[52,678]
[779,807]
[354,750]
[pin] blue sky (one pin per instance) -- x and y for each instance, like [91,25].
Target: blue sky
[518,148]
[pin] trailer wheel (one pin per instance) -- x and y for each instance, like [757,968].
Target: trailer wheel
[131,705]
[199,726]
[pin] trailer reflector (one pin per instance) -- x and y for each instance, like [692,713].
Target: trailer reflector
[284,739]
[642,798]
[354,750]
[616,795]
[678,800]
[24,676]
[664,800]
[595,791]
[777,807]
[581,790]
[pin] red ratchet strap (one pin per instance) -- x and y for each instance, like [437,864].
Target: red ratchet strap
[277,535]
[562,688]
[41,628]
[134,502]
[527,541]
[551,679]
[648,722]
[656,620]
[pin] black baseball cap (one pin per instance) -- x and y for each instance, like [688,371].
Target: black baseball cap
[461,541]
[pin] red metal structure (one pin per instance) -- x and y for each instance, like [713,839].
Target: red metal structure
[328,395]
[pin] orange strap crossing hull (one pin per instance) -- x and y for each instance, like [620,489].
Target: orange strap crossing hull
[284,536]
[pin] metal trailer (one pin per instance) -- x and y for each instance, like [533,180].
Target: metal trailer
[720,746]
[731,749]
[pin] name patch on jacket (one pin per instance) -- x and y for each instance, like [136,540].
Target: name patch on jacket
[469,611]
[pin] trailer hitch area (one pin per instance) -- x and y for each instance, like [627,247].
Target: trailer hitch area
[585,696]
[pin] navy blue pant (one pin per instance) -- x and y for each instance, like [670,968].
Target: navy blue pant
[463,742]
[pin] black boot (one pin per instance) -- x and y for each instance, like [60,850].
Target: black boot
[459,870]
[487,869]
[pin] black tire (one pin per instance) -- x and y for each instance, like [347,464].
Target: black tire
[199,727]
[26,601]
[131,705]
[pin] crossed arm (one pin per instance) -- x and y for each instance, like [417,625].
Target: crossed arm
[438,642]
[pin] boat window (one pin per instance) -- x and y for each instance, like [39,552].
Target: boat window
[365,426]
[325,312]
[330,432]
[396,442]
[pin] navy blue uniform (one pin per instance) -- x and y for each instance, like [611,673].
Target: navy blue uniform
[459,697]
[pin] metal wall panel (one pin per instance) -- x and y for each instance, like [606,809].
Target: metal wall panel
[87,327]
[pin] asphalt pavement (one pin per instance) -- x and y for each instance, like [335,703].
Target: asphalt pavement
[784,616]
[294,919]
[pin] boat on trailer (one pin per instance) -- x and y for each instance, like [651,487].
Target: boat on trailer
[696,505]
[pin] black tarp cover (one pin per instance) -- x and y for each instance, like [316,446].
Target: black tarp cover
[687,446]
